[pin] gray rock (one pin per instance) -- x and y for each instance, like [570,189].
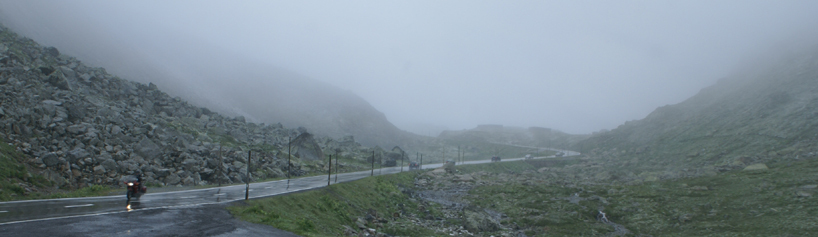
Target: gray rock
[76,129]
[478,221]
[51,160]
[307,148]
[109,164]
[58,81]
[99,170]
[51,51]
[191,164]
[68,72]
[116,129]
[146,148]
[77,154]
[85,77]
[172,179]
[162,172]
[188,181]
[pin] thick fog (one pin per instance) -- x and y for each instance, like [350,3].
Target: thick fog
[576,66]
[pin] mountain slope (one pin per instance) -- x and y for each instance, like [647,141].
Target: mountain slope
[765,114]
[68,126]
[209,76]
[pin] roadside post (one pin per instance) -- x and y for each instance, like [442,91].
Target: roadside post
[247,180]
[221,165]
[289,156]
[336,165]
[373,163]
[329,169]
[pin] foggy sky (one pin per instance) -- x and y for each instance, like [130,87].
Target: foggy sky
[576,66]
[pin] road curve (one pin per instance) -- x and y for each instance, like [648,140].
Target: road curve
[49,209]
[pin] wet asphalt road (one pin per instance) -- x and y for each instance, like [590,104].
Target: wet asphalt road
[200,220]
[198,212]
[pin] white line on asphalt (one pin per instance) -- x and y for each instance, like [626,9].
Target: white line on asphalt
[268,187]
[188,197]
[83,205]
[3,211]
[219,194]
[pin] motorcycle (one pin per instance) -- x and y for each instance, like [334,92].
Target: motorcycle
[135,189]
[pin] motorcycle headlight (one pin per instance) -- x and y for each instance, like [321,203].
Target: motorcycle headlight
[130,184]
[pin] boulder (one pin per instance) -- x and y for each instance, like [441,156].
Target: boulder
[59,81]
[99,170]
[76,154]
[191,164]
[116,129]
[163,172]
[146,148]
[188,181]
[51,160]
[306,147]
[477,221]
[172,179]
[68,72]
[51,51]
[109,164]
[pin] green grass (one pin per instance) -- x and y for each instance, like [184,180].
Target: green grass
[323,212]
[737,203]
[13,172]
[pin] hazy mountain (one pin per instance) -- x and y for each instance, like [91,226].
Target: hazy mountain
[766,113]
[223,81]
[532,136]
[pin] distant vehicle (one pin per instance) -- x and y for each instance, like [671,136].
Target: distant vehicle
[495,159]
[528,157]
[448,165]
[560,154]
[414,165]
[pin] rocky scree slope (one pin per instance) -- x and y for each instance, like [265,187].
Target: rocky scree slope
[80,126]
[766,114]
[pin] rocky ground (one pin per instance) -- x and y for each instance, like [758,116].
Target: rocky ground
[539,198]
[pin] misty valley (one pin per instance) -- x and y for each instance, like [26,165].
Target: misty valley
[738,158]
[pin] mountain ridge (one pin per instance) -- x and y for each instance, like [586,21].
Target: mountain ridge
[762,114]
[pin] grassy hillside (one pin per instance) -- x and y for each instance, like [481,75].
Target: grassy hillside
[326,211]
[756,116]
[543,198]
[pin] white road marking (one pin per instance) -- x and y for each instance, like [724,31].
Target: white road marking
[3,211]
[83,205]
[268,187]
[188,197]
[219,194]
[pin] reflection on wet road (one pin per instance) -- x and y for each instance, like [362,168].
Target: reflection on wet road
[30,210]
